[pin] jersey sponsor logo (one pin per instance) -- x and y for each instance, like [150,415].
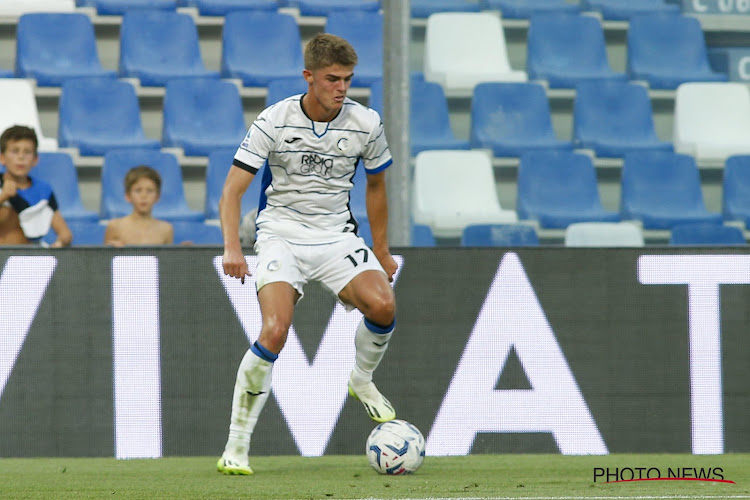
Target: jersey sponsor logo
[293,139]
[312,163]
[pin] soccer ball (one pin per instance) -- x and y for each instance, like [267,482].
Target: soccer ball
[395,447]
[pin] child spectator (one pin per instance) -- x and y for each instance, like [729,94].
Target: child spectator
[142,190]
[28,207]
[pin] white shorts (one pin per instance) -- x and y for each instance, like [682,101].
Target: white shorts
[334,265]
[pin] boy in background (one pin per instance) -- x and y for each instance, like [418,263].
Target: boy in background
[142,190]
[28,207]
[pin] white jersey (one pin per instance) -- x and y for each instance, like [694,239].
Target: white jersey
[309,167]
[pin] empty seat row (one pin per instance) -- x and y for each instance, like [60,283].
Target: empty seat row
[156,46]
[555,189]
[663,50]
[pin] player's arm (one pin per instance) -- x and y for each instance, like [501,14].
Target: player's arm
[64,234]
[376,200]
[230,206]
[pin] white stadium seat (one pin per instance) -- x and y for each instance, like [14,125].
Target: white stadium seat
[19,108]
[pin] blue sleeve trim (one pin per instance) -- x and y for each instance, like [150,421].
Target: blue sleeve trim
[375,328]
[380,168]
[263,353]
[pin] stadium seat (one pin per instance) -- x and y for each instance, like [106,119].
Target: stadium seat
[85,233]
[612,118]
[421,236]
[662,189]
[14,8]
[429,121]
[120,7]
[499,235]
[524,9]
[223,7]
[422,9]
[604,234]
[357,194]
[219,163]
[618,10]
[54,47]
[736,189]
[58,170]
[156,46]
[364,231]
[196,233]
[712,120]
[448,202]
[18,104]
[171,206]
[259,46]
[99,114]
[706,234]
[462,49]
[565,49]
[326,7]
[202,114]
[364,30]
[667,50]
[281,88]
[511,118]
[559,188]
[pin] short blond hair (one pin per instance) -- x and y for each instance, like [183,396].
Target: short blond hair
[325,50]
[140,172]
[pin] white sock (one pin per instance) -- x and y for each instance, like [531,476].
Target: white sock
[251,390]
[371,346]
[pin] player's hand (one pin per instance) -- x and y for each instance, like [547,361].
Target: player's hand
[389,264]
[234,264]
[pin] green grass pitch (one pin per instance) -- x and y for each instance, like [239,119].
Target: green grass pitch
[541,477]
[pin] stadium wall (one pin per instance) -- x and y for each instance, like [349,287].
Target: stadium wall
[133,353]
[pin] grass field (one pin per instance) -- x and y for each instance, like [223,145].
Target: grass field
[470,477]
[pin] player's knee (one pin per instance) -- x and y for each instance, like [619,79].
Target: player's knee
[381,310]
[274,333]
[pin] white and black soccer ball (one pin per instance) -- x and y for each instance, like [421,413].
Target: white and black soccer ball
[395,447]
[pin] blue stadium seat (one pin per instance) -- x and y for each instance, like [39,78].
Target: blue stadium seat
[85,233]
[565,49]
[619,10]
[424,8]
[364,231]
[736,189]
[706,234]
[662,189]
[54,47]
[559,188]
[364,30]
[524,9]
[171,206]
[6,73]
[202,114]
[357,195]
[223,7]
[281,88]
[219,163]
[196,233]
[667,50]
[511,118]
[613,118]
[429,121]
[326,7]
[59,171]
[99,114]
[120,7]
[499,235]
[156,46]
[259,46]
[421,236]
